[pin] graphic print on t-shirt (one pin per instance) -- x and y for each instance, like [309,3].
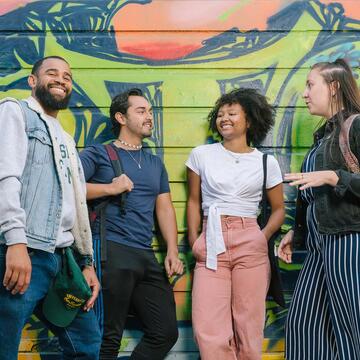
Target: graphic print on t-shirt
[65,162]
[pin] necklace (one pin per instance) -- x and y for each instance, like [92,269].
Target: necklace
[137,147]
[237,158]
[138,163]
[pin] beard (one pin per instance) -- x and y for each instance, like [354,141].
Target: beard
[49,101]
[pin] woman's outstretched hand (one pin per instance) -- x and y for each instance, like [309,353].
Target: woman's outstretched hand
[312,179]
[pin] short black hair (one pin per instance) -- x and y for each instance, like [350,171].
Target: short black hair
[120,103]
[37,65]
[260,115]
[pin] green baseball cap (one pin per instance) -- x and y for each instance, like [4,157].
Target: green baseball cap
[68,293]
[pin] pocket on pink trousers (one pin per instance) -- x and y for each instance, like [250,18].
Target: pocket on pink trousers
[198,248]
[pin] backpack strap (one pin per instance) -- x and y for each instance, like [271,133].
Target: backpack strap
[264,205]
[351,160]
[99,211]
[118,170]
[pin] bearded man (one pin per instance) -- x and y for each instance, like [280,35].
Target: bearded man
[42,213]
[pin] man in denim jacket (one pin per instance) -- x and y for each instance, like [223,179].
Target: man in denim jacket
[42,211]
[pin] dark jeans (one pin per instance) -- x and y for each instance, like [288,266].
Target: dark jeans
[80,340]
[133,277]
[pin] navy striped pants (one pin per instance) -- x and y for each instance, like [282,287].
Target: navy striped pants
[324,317]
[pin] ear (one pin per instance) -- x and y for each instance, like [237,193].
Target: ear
[120,118]
[334,88]
[32,81]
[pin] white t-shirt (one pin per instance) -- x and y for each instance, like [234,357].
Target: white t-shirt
[231,184]
[65,237]
[233,178]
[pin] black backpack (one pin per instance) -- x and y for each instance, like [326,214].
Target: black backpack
[99,211]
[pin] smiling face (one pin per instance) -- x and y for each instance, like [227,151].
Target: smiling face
[52,85]
[317,95]
[138,120]
[231,121]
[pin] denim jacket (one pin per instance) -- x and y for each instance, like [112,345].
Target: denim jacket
[38,214]
[337,209]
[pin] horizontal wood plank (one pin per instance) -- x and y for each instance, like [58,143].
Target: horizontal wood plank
[220,15]
[231,50]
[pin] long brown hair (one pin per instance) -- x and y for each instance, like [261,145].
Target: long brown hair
[338,76]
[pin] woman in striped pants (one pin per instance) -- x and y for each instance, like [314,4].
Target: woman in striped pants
[324,316]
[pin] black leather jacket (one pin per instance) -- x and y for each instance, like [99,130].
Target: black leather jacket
[337,208]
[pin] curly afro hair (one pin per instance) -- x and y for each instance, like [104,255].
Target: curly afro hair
[259,113]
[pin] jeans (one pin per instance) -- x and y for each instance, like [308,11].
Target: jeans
[80,340]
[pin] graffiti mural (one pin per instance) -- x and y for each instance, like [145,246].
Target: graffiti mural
[182,57]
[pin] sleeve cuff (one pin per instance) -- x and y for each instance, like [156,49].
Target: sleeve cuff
[343,183]
[86,260]
[274,183]
[15,236]
[192,167]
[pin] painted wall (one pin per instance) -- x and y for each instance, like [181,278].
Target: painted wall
[183,54]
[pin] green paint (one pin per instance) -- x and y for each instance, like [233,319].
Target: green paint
[235,8]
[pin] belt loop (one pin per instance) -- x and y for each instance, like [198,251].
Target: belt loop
[243,221]
[227,222]
[60,251]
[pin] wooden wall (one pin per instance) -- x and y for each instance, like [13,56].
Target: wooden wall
[183,54]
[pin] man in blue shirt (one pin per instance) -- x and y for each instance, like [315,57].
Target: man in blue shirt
[131,275]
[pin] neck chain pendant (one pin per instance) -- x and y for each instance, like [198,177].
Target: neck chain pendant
[236,158]
[138,163]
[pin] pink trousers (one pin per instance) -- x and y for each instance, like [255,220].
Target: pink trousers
[228,305]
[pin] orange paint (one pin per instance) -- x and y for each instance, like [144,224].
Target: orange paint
[175,20]
[9,5]
[196,15]
[351,7]
[182,283]
[156,51]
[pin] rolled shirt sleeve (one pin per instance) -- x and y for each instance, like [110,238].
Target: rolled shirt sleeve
[194,162]
[347,182]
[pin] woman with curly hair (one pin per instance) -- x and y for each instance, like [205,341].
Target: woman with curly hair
[232,272]
[324,317]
